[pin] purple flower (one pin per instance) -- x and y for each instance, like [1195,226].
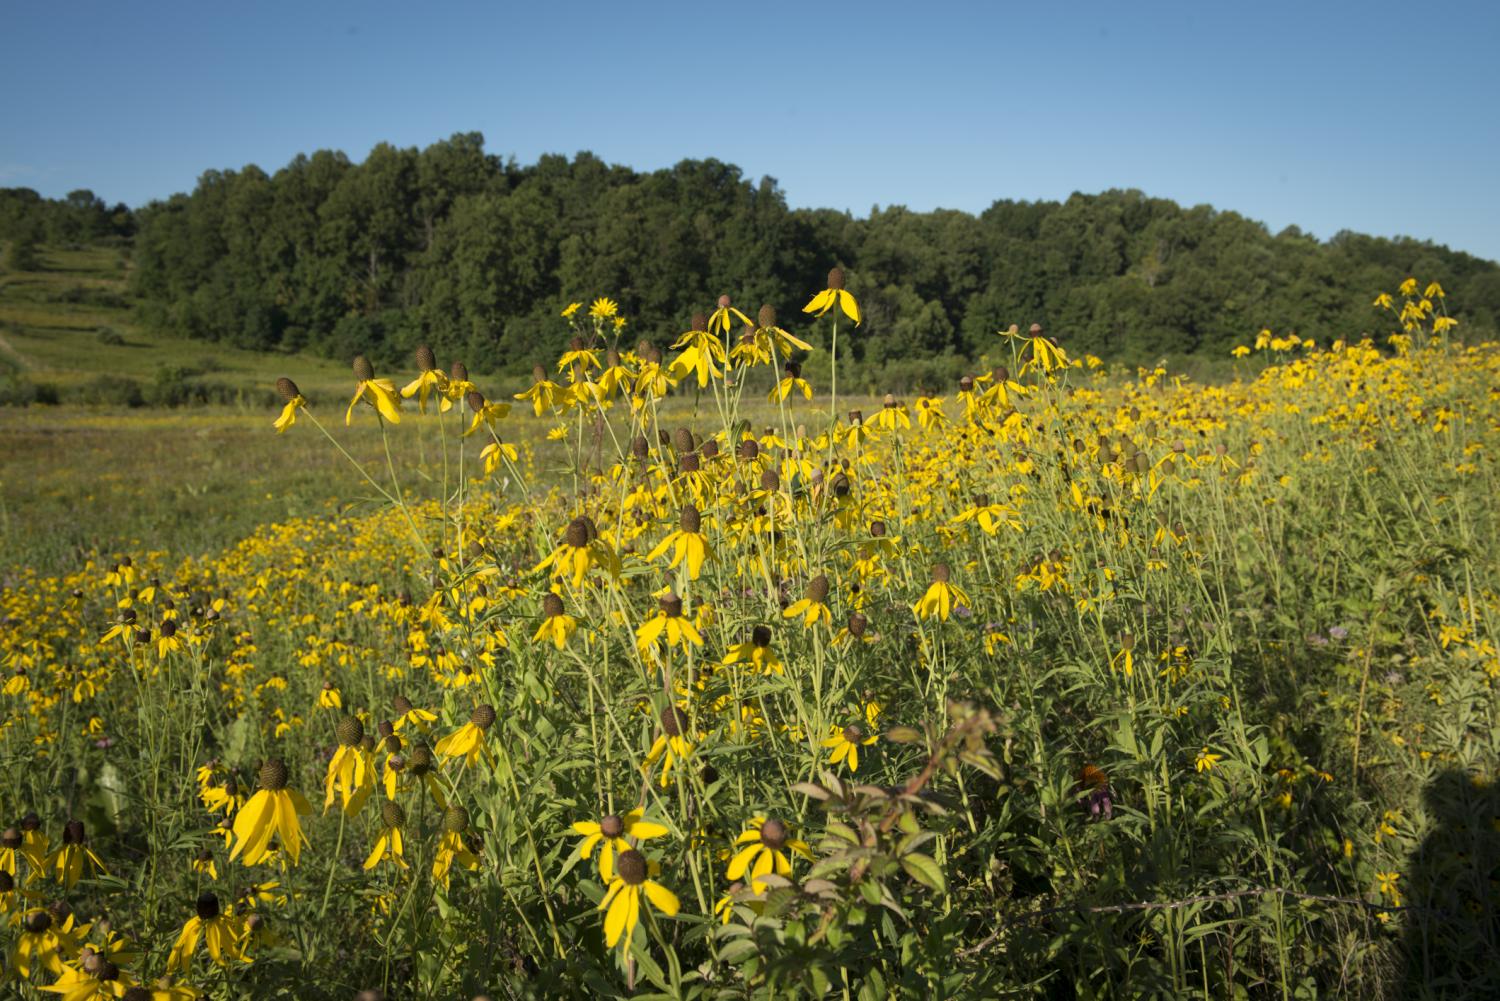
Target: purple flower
[1339,633]
[1100,803]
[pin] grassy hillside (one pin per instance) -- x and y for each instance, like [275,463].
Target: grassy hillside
[67,330]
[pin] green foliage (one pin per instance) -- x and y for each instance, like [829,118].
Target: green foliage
[455,247]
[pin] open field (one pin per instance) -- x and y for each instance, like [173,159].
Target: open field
[1054,685]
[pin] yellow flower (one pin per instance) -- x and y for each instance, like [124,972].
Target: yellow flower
[846,740]
[610,833]
[1206,761]
[811,607]
[687,543]
[834,295]
[765,843]
[622,901]
[570,309]
[603,308]
[379,393]
[1386,883]
[351,771]
[468,740]
[292,399]
[671,745]
[667,623]
[942,597]
[557,626]
[430,381]
[220,931]
[271,812]
[390,844]
[72,856]
[451,847]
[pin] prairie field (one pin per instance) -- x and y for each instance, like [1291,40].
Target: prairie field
[668,672]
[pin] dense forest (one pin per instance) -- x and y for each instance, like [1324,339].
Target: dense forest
[476,255]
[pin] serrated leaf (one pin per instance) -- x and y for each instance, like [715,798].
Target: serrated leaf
[925,870]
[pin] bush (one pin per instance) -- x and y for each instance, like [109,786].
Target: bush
[18,391]
[109,390]
[110,336]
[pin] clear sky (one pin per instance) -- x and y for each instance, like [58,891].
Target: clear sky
[1378,117]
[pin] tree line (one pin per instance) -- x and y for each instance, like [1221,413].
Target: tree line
[476,255]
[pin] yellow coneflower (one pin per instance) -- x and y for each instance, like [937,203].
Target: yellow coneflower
[1124,661]
[468,740]
[167,639]
[765,851]
[271,812]
[390,845]
[292,399]
[557,626]
[329,697]
[811,606]
[893,415]
[582,548]
[668,623]
[701,353]
[451,849]
[791,379]
[834,295]
[622,901]
[687,543]
[351,770]
[73,857]
[723,317]
[609,834]
[410,715]
[846,741]
[486,413]
[219,930]
[429,381]
[379,393]
[544,394]
[671,746]
[942,596]
[757,652]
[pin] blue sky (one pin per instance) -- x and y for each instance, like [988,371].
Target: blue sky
[1368,116]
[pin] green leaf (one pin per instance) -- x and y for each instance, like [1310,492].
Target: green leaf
[924,869]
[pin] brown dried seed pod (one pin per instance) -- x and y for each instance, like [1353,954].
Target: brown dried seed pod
[350,731]
[483,716]
[455,820]
[552,605]
[748,449]
[690,520]
[273,775]
[857,625]
[631,865]
[966,384]
[363,370]
[709,449]
[1036,330]
[639,447]
[940,573]
[817,588]
[700,322]
[673,721]
[475,399]
[724,302]
[391,814]
[836,279]
[761,636]
[773,834]
[690,463]
[612,826]
[577,533]
[682,440]
[287,389]
[426,360]
[767,316]
[770,480]
[459,372]
[671,604]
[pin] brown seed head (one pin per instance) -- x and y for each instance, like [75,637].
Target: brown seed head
[37,921]
[761,636]
[483,716]
[723,302]
[1002,374]
[770,480]
[773,834]
[363,370]
[287,390]
[208,905]
[639,447]
[577,533]
[700,322]
[767,315]
[682,440]
[1036,330]
[690,463]
[631,865]
[836,279]
[966,384]
[73,833]
[817,588]
[459,372]
[11,838]
[420,761]
[612,826]
[940,573]
[671,604]
[673,721]
[552,605]
[402,705]
[709,449]
[455,820]
[475,399]
[391,814]
[350,731]
[273,775]
[748,449]
[426,361]
[690,520]
[857,625]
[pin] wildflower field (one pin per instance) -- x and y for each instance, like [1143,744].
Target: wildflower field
[672,674]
